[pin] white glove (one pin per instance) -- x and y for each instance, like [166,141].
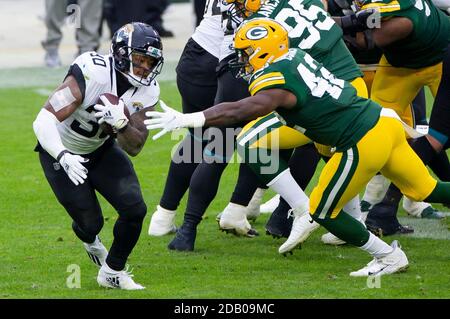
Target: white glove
[171,119]
[73,166]
[112,114]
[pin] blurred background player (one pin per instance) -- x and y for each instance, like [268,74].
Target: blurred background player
[119,12]
[87,34]
[79,158]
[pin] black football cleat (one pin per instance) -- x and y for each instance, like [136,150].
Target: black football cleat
[382,221]
[382,217]
[250,233]
[184,239]
[288,253]
[279,224]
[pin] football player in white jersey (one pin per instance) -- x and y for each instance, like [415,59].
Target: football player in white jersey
[79,158]
[220,143]
[197,84]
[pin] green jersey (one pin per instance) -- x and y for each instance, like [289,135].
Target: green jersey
[311,29]
[427,43]
[328,110]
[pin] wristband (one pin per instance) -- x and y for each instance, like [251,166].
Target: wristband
[196,119]
[61,154]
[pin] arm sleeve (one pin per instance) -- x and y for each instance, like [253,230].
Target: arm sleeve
[46,130]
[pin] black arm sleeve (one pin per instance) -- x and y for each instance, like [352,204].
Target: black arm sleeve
[76,72]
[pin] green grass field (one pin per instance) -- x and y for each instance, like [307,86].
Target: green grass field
[37,244]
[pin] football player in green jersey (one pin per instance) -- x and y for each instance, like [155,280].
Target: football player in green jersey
[311,29]
[367,59]
[308,98]
[414,36]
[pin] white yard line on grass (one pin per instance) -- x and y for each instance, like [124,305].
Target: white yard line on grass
[426,228]
[45,77]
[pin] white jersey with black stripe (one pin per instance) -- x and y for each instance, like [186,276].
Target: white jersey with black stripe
[209,34]
[80,133]
[230,22]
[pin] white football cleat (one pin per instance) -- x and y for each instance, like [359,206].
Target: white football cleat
[269,206]
[162,222]
[396,261]
[96,251]
[234,219]
[302,227]
[253,207]
[110,278]
[330,239]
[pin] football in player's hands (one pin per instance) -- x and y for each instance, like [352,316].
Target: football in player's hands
[113,99]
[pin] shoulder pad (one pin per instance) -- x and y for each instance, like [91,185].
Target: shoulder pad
[95,67]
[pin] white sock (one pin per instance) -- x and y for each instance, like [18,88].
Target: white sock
[95,242]
[353,208]
[109,270]
[376,247]
[285,185]
[376,189]
[164,210]
[256,199]
[235,207]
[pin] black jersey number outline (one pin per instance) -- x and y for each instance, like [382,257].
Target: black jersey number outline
[76,127]
[215,7]
[98,59]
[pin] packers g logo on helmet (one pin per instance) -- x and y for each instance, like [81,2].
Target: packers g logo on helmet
[258,42]
[257,33]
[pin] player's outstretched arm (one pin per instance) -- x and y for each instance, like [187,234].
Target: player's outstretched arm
[222,114]
[249,108]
